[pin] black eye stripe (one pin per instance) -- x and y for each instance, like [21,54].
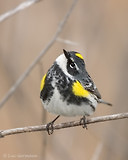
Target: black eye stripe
[72,65]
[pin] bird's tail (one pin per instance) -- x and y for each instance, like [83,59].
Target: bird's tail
[104,102]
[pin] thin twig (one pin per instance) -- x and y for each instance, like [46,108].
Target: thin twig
[20,7]
[67,41]
[49,45]
[98,151]
[7,132]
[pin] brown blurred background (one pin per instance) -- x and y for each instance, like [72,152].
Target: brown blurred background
[99,30]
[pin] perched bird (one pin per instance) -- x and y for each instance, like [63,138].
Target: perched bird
[68,90]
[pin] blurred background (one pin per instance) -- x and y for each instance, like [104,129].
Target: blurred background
[99,31]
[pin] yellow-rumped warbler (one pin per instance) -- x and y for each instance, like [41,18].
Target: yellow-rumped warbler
[68,90]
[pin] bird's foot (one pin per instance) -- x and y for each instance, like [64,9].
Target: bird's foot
[83,122]
[49,126]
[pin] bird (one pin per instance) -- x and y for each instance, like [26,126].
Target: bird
[68,90]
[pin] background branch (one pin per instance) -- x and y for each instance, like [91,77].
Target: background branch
[49,45]
[7,132]
[20,7]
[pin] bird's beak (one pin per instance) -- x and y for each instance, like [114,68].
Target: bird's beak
[66,53]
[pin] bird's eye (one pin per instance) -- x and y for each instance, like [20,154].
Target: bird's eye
[72,68]
[72,65]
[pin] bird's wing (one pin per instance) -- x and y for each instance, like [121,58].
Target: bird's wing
[89,85]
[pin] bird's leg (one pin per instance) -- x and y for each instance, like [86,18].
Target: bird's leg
[49,126]
[83,122]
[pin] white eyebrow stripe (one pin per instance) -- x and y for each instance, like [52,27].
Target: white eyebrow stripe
[75,64]
[76,67]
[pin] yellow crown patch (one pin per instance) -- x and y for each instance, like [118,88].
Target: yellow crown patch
[79,90]
[79,55]
[42,82]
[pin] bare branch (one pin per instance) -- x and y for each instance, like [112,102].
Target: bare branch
[20,7]
[49,45]
[98,151]
[7,132]
[67,41]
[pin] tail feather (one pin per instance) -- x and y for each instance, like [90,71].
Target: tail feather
[104,102]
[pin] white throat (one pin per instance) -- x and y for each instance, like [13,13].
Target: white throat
[62,62]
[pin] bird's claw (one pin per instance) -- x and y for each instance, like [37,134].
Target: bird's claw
[50,128]
[83,122]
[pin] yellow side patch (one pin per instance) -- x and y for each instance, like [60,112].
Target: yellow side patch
[79,55]
[42,82]
[79,90]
